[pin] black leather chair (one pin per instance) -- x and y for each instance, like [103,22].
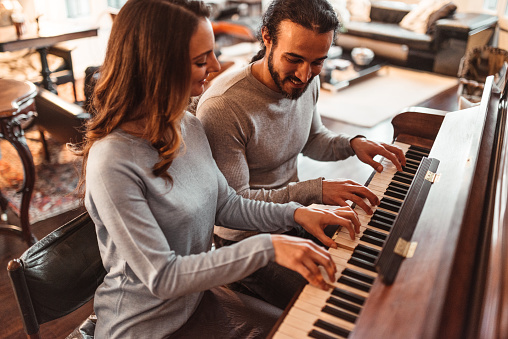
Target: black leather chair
[57,275]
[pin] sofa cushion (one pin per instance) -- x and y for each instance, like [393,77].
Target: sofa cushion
[444,12]
[389,11]
[417,19]
[359,10]
[390,33]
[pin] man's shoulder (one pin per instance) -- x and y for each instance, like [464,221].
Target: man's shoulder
[228,84]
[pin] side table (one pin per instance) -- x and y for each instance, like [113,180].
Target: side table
[17,106]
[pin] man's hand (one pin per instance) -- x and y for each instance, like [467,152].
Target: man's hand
[337,192]
[315,220]
[366,150]
[305,257]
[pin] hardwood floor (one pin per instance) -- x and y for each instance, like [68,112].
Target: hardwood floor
[12,246]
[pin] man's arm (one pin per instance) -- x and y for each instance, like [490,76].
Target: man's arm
[228,136]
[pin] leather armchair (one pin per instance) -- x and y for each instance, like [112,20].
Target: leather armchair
[58,274]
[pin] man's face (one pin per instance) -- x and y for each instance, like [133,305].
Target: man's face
[297,58]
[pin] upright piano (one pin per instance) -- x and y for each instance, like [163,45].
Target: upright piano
[452,277]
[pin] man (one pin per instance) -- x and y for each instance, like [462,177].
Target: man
[260,118]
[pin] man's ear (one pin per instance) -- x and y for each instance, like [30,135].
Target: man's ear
[267,40]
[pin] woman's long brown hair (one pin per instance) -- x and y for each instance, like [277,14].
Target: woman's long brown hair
[145,76]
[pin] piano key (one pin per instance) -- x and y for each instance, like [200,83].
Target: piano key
[339,314]
[341,303]
[348,295]
[280,335]
[394,194]
[379,235]
[318,335]
[380,224]
[358,275]
[362,263]
[342,264]
[355,259]
[354,283]
[332,328]
[364,256]
[367,249]
[296,328]
[310,313]
[372,240]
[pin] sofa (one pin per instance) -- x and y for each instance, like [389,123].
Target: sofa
[439,49]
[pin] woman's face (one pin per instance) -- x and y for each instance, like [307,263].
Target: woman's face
[203,59]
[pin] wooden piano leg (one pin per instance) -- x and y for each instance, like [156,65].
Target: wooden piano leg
[11,131]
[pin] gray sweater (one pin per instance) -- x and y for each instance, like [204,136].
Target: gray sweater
[155,239]
[256,135]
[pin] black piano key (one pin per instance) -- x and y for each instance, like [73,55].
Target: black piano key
[366,249]
[381,225]
[339,314]
[412,162]
[382,218]
[415,152]
[413,157]
[395,194]
[320,335]
[389,206]
[397,189]
[332,328]
[392,201]
[344,305]
[373,233]
[350,296]
[398,185]
[385,214]
[423,150]
[420,150]
[359,276]
[364,256]
[409,169]
[402,179]
[372,240]
[362,263]
[405,175]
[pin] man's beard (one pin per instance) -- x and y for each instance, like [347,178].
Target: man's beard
[296,92]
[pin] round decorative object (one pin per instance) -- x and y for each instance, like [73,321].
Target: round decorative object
[362,56]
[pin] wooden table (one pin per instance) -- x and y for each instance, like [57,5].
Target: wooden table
[17,106]
[48,35]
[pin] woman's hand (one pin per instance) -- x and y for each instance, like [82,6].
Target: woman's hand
[305,257]
[315,220]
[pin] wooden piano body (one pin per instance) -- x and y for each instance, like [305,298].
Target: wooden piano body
[456,284]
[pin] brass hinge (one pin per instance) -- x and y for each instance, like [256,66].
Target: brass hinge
[432,177]
[405,248]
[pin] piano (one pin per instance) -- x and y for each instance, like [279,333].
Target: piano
[452,281]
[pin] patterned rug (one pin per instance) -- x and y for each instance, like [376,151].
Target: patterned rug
[55,181]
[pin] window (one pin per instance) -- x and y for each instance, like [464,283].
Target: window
[116,3]
[490,4]
[77,8]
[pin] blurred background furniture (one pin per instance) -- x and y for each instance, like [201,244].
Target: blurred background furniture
[58,275]
[439,50]
[42,41]
[62,119]
[16,108]
[476,66]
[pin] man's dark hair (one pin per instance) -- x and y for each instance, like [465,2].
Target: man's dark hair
[316,15]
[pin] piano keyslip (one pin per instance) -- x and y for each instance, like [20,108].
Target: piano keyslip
[332,314]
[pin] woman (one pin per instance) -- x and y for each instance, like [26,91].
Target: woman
[154,192]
